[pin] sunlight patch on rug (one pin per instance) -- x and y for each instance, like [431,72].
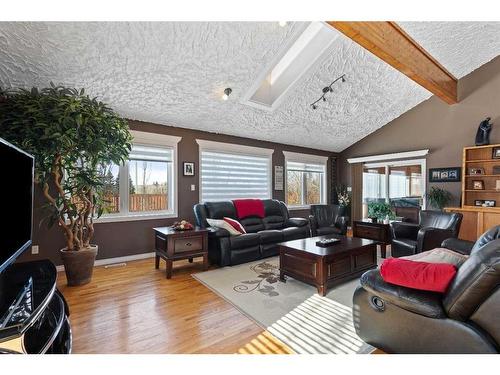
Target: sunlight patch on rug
[319,326]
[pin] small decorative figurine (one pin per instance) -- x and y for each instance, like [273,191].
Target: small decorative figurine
[483,132]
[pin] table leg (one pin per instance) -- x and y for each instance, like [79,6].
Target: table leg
[205,262]
[321,290]
[282,277]
[383,248]
[157,261]
[169,269]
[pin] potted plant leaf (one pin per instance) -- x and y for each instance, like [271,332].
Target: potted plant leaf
[380,210]
[71,136]
[438,197]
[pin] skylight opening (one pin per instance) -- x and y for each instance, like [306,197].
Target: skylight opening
[303,40]
[294,60]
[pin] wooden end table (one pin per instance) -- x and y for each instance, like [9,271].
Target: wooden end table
[379,232]
[172,245]
[324,267]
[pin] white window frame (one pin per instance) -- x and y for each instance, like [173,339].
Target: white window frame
[306,158]
[222,147]
[155,140]
[400,163]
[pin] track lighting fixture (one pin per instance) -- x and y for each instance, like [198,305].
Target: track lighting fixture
[326,90]
[227,92]
[282,23]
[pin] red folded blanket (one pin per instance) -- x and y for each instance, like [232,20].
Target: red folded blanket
[434,277]
[249,207]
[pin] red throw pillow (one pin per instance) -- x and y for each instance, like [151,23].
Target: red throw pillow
[434,277]
[249,207]
[235,224]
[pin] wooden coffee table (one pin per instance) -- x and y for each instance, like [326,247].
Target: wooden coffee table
[324,267]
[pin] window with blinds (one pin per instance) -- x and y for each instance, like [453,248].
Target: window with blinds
[227,176]
[305,183]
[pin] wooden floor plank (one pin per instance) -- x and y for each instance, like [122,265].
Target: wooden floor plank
[135,309]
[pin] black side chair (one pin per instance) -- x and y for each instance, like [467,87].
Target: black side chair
[433,228]
[328,219]
[462,320]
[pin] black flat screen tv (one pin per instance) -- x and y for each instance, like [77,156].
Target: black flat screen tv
[16,197]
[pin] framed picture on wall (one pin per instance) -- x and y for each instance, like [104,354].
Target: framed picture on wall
[449,174]
[188,168]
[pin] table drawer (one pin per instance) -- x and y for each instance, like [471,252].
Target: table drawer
[182,245]
[373,233]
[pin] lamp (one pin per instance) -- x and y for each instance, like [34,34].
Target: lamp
[326,90]
[227,92]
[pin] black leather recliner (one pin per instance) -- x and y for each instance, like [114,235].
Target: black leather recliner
[465,319]
[262,237]
[328,219]
[433,228]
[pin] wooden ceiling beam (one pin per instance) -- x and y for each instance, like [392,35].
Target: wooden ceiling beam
[393,45]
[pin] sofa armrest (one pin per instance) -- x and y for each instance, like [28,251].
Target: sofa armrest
[417,301]
[430,238]
[218,233]
[297,222]
[401,229]
[459,246]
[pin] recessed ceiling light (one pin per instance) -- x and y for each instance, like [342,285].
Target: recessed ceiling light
[282,23]
[227,92]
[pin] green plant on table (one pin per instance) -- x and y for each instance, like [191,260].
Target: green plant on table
[380,210]
[71,137]
[438,197]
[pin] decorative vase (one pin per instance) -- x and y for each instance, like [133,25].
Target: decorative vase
[79,265]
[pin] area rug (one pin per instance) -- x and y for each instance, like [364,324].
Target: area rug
[291,311]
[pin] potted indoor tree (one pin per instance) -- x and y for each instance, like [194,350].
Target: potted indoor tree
[71,136]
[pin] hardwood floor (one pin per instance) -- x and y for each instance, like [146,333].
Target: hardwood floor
[134,309]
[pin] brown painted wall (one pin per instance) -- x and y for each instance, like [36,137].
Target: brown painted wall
[442,128]
[136,237]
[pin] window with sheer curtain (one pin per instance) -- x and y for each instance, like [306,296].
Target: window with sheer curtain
[229,175]
[143,184]
[399,183]
[305,183]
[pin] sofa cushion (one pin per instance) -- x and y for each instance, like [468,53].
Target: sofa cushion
[270,236]
[295,233]
[235,224]
[222,224]
[327,230]
[252,224]
[217,210]
[244,240]
[432,277]
[439,255]
[273,222]
[249,207]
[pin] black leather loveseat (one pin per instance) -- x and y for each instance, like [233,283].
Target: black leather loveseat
[465,319]
[262,237]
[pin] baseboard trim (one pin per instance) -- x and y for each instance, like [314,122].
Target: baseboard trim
[128,258]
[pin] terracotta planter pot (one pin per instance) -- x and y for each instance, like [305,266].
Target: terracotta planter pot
[79,265]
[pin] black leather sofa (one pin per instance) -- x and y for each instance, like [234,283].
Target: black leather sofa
[432,229]
[463,320]
[262,237]
[328,219]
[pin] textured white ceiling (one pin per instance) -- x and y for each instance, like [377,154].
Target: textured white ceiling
[460,47]
[174,74]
